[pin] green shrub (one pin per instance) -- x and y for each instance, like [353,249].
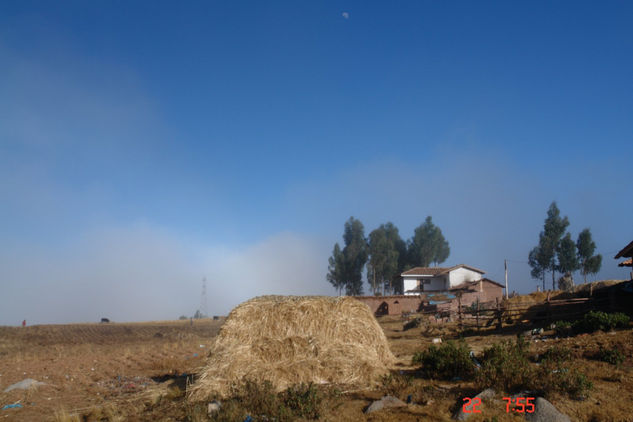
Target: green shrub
[597,320]
[557,354]
[571,382]
[612,356]
[303,400]
[505,366]
[396,384]
[451,359]
[259,399]
[563,328]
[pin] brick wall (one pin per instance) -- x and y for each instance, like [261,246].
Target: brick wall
[391,305]
[489,293]
[396,305]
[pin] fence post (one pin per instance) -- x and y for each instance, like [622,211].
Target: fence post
[498,312]
[477,314]
[459,311]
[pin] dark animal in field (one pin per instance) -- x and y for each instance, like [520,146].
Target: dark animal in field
[104,320]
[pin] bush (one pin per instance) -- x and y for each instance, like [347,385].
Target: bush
[260,399]
[596,320]
[303,401]
[612,356]
[563,328]
[396,384]
[556,354]
[571,382]
[447,361]
[505,366]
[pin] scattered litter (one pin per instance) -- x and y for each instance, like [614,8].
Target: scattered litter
[437,340]
[202,346]
[11,406]
[195,355]
[475,361]
[248,419]
[24,384]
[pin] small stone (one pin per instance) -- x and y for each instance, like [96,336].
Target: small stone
[24,385]
[213,407]
[385,402]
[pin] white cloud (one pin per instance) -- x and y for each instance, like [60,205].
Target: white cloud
[345,15]
[285,263]
[141,272]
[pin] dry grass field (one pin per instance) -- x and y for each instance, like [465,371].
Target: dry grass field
[139,371]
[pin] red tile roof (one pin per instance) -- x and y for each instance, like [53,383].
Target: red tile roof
[425,271]
[431,271]
[474,283]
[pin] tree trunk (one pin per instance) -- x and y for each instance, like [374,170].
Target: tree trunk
[553,280]
[543,280]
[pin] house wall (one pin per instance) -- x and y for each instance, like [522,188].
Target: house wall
[489,293]
[396,305]
[409,283]
[434,283]
[462,275]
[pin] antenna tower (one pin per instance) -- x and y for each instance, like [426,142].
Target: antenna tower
[203,298]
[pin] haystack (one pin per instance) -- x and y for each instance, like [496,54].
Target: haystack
[293,339]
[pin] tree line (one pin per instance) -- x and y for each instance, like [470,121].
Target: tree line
[384,254]
[557,251]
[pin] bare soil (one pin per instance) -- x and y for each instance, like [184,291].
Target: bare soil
[139,371]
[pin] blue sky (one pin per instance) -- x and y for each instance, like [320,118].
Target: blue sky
[144,145]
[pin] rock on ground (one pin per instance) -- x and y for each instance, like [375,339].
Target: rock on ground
[462,415]
[385,402]
[24,384]
[545,411]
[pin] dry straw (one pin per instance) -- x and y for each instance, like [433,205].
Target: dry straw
[292,339]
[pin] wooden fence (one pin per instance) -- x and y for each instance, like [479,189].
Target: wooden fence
[481,315]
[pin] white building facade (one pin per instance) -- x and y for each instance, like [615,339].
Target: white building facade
[420,280]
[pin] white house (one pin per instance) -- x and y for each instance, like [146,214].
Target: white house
[437,279]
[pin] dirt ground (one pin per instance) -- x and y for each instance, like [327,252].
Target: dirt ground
[139,371]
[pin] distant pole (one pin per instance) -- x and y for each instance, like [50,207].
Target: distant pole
[505,263]
[203,298]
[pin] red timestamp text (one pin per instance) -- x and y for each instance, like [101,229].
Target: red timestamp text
[521,404]
[470,405]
